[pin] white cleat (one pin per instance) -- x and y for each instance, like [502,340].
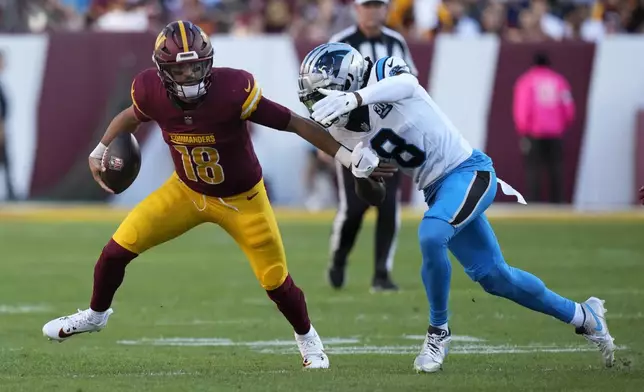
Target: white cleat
[312,350]
[434,351]
[63,328]
[595,329]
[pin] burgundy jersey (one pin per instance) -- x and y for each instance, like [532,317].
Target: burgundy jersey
[210,145]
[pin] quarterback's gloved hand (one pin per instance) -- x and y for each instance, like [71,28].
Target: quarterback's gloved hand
[363,161]
[335,104]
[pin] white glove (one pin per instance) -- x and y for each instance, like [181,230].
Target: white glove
[335,104]
[363,161]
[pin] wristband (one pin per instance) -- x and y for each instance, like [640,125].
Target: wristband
[98,151]
[344,157]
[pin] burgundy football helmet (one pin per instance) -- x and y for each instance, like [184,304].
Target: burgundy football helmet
[183,55]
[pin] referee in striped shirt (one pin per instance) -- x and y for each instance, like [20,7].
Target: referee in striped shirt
[372,39]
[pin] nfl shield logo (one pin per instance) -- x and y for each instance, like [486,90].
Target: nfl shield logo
[188,120]
[115,163]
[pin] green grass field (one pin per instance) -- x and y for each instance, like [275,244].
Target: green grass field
[191,317]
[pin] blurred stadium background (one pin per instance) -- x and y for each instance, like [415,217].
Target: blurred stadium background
[68,65]
[67,70]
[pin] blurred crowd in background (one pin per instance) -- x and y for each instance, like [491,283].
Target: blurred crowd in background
[515,20]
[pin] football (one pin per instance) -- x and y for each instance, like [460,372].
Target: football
[122,162]
[371,191]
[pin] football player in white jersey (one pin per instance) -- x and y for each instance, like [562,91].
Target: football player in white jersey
[383,107]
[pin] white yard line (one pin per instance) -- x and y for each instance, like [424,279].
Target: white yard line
[21,309]
[454,349]
[173,323]
[455,338]
[462,345]
[201,342]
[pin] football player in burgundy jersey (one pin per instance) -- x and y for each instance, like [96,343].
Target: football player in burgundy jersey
[203,113]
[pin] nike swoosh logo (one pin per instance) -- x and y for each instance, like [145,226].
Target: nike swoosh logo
[391,63]
[250,197]
[63,335]
[247,89]
[599,327]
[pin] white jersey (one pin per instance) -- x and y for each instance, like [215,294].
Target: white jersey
[413,133]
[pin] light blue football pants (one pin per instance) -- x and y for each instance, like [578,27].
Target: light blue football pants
[456,221]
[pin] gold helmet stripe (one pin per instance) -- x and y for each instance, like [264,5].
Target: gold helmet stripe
[184,37]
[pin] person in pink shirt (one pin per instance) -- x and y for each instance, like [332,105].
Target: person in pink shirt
[543,109]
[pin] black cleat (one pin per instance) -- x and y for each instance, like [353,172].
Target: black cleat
[383,284]
[336,278]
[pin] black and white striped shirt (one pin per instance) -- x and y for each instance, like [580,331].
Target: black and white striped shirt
[389,43]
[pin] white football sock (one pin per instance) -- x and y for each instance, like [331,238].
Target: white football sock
[96,317]
[580,316]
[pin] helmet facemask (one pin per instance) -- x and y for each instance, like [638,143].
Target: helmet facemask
[309,94]
[188,78]
[309,85]
[333,67]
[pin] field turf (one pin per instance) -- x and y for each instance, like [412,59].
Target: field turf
[191,317]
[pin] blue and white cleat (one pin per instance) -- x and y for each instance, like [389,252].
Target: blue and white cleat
[434,350]
[595,329]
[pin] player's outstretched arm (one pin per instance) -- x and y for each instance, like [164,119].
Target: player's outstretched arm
[273,115]
[362,161]
[388,90]
[319,137]
[126,121]
[276,116]
[394,82]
